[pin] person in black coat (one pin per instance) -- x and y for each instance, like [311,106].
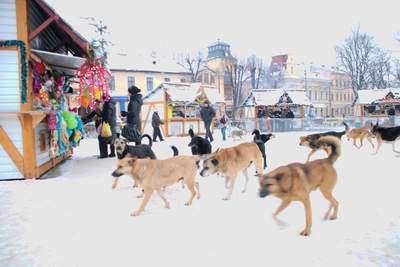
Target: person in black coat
[207,114]
[156,122]
[134,107]
[109,115]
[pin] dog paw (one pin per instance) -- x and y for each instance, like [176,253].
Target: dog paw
[188,203]
[333,217]
[244,191]
[305,232]
[135,213]
[225,198]
[139,196]
[167,206]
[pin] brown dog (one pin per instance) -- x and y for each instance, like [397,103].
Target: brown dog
[154,175]
[360,133]
[295,181]
[313,144]
[228,162]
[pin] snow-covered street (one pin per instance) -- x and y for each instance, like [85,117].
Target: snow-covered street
[73,218]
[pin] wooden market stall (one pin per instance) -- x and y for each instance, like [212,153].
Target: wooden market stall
[377,103]
[178,105]
[39,53]
[268,104]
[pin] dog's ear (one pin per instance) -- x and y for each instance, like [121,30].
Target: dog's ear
[214,162]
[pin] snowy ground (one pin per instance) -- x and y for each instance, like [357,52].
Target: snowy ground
[75,219]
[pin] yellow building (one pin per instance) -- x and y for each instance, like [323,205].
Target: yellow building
[145,72]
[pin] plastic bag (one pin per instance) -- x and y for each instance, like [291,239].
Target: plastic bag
[106,130]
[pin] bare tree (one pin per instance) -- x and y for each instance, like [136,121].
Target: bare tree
[256,68]
[396,69]
[380,69]
[193,65]
[237,74]
[355,57]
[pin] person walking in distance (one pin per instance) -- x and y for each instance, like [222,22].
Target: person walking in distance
[223,122]
[207,114]
[156,122]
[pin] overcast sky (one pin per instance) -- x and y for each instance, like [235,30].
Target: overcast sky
[309,29]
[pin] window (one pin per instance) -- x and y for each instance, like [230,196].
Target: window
[149,83]
[206,80]
[112,83]
[321,95]
[315,95]
[183,80]
[131,81]
[212,79]
[167,79]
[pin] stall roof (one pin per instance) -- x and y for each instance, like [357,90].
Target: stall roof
[270,97]
[373,95]
[185,92]
[62,63]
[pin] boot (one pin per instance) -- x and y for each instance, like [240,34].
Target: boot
[102,148]
[112,151]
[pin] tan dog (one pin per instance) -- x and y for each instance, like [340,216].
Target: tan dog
[228,162]
[237,134]
[294,182]
[313,144]
[360,134]
[154,175]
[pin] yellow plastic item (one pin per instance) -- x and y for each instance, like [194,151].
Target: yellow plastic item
[106,130]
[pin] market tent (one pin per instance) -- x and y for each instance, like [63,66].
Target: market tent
[371,96]
[62,63]
[271,97]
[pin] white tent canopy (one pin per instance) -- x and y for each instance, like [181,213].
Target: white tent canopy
[185,92]
[369,96]
[271,97]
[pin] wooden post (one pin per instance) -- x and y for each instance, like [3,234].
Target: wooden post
[166,122]
[28,142]
[302,116]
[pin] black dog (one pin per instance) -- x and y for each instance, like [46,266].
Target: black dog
[140,151]
[314,137]
[386,134]
[260,140]
[199,145]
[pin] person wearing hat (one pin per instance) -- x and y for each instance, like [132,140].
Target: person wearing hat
[134,107]
[207,114]
[156,122]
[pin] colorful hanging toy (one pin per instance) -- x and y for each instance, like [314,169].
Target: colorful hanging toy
[93,75]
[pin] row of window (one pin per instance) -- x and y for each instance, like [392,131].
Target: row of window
[324,95]
[149,82]
[322,112]
[342,84]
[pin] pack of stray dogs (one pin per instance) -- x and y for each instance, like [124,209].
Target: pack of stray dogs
[292,182]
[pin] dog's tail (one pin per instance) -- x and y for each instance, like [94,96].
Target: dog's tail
[256,132]
[175,150]
[334,143]
[148,138]
[347,128]
[191,133]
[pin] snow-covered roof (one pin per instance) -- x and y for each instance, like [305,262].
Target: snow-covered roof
[271,97]
[185,92]
[144,62]
[372,95]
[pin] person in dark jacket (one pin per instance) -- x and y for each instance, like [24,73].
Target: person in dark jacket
[207,114]
[134,108]
[109,115]
[156,122]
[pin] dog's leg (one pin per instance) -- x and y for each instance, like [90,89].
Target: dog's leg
[307,208]
[370,141]
[246,175]
[333,204]
[114,185]
[227,181]
[197,185]
[284,204]
[378,145]
[230,189]
[191,187]
[361,142]
[394,148]
[147,194]
[161,194]
[310,154]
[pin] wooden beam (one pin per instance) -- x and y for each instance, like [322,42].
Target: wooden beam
[37,118]
[11,150]
[51,164]
[165,103]
[22,34]
[147,117]
[42,27]
[28,142]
